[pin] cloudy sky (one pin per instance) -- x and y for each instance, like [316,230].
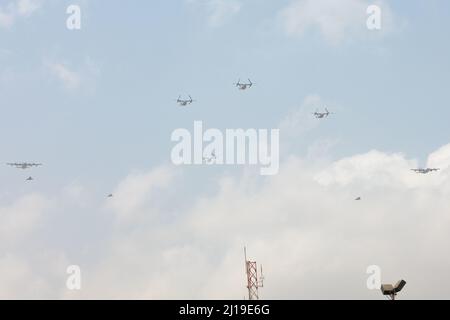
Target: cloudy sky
[97,107]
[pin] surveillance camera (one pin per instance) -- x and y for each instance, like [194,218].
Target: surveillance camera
[387,289]
[399,285]
[390,290]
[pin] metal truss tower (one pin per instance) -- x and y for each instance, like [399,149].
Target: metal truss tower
[253,282]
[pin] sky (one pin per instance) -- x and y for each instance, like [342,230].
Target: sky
[97,107]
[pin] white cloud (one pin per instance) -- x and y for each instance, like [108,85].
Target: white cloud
[16,276]
[22,217]
[28,7]
[440,158]
[302,225]
[70,79]
[35,275]
[13,10]
[301,119]
[335,20]
[6,19]
[138,191]
[219,11]
[376,168]
[73,79]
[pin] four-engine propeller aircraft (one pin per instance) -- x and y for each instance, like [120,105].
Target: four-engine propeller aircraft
[184,102]
[425,170]
[244,86]
[24,165]
[321,115]
[30,179]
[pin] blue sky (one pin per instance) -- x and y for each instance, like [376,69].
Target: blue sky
[129,62]
[147,54]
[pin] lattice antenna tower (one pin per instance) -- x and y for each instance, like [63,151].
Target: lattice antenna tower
[253,281]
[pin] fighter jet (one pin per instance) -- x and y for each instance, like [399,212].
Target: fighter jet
[321,115]
[183,102]
[425,171]
[30,179]
[211,158]
[244,86]
[24,165]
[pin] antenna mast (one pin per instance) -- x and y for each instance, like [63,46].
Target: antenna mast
[253,283]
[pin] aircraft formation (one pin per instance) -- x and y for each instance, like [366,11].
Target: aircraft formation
[25,166]
[242,86]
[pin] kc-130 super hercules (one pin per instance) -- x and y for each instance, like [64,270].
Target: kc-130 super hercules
[24,165]
[425,171]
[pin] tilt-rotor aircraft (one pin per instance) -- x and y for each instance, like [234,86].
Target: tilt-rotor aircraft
[211,158]
[321,115]
[183,102]
[244,86]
